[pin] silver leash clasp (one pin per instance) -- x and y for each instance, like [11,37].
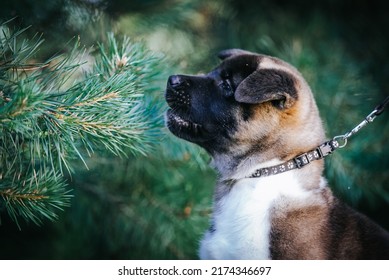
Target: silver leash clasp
[370,118]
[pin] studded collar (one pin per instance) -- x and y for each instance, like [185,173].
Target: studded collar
[298,162]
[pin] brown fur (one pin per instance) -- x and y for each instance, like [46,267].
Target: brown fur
[296,226]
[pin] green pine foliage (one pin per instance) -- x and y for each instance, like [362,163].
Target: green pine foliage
[64,108]
[150,207]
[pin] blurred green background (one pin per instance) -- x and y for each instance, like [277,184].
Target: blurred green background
[157,206]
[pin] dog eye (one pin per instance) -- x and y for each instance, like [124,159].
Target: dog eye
[226,86]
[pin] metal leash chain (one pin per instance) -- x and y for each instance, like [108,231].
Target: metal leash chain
[370,118]
[321,151]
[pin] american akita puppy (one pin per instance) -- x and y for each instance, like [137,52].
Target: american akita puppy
[253,112]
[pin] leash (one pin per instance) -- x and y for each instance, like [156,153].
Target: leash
[321,151]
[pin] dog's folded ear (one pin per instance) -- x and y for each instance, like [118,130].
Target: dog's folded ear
[231,52]
[265,85]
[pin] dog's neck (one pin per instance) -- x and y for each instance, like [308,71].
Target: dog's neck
[308,178]
[229,168]
[237,162]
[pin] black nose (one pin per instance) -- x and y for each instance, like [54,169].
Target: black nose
[175,81]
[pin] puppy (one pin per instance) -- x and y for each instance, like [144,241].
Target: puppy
[255,115]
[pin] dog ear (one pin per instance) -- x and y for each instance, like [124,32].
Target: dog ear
[265,85]
[231,52]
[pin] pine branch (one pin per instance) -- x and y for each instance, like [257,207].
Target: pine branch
[62,109]
[35,198]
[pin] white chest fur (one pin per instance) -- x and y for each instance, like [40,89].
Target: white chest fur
[242,217]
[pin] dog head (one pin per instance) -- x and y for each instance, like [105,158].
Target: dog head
[249,104]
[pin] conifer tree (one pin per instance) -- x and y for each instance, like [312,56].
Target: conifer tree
[64,108]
